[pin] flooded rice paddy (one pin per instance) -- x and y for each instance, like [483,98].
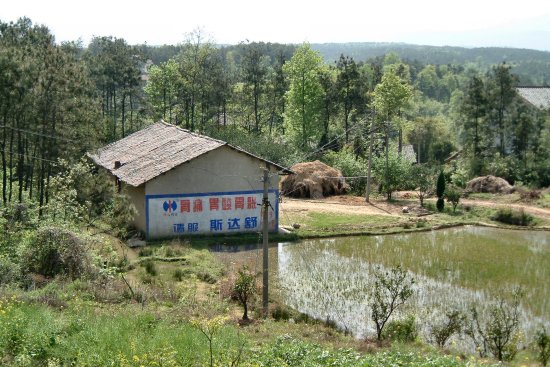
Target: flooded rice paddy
[452,268]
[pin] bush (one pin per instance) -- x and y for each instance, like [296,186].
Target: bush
[350,166]
[281,313]
[245,286]
[453,195]
[57,251]
[146,252]
[498,330]
[514,217]
[440,204]
[122,215]
[150,267]
[440,191]
[404,330]
[542,340]
[453,324]
[179,275]
[9,271]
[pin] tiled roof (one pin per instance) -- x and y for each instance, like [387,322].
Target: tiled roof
[537,96]
[155,150]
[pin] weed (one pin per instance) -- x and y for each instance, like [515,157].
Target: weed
[514,217]
[403,330]
[146,252]
[150,267]
[542,341]
[179,274]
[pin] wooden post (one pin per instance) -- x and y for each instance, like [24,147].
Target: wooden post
[265,272]
[369,179]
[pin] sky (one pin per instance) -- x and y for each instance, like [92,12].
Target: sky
[469,23]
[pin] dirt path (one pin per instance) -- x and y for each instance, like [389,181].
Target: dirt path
[340,205]
[533,210]
[357,205]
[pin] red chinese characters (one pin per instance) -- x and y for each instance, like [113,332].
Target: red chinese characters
[250,202]
[197,206]
[185,206]
[226,204]
[214,203]
[239,202]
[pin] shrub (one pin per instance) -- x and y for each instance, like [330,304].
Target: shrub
[498,330]
[453,195]
[514,217]
[281,313]
[404,330]
[440,191]
[179,275]
[9,271]
[121,215]
[440,204]
[542,340]
[57,251]
[150,267]
[245,286]
[146,252]
[351,166]
[453,324]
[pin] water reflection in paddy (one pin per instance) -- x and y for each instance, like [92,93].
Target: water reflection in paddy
[331,278]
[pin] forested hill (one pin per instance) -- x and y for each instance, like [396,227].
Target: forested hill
[362,51]
[531,66]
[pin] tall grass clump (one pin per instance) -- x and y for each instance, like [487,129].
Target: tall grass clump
[513,217]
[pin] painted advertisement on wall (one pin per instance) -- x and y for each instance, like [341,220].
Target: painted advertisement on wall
[215,212]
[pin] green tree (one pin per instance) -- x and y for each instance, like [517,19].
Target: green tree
[393,172]
[115,69]
[304,97]
[502,95]
[348,86]
[162,89]
[244,288]
[440,191]
[453,195]
[391,290]
[389,97]
[474,109]
[255,70]
[422,177]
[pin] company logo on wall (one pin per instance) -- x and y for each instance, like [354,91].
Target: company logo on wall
[170,206]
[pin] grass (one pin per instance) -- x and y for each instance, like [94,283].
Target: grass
[80,323]
[84,334]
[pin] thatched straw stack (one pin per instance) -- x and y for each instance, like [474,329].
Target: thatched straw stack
[313,180]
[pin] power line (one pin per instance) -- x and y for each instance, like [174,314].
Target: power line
[40,134]
[28,155]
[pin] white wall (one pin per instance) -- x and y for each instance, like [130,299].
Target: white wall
[223,170]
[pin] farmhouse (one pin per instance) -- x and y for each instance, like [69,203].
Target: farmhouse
[184,183]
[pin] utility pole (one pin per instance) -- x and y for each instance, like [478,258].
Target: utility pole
[369,179]
[265,221]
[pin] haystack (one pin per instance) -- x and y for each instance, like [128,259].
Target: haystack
[313,180]
[490,184]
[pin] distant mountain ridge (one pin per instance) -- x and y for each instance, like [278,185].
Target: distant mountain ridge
[532,66]
[362,51]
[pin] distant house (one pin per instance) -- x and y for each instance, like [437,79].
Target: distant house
[185,183]
[538,97]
